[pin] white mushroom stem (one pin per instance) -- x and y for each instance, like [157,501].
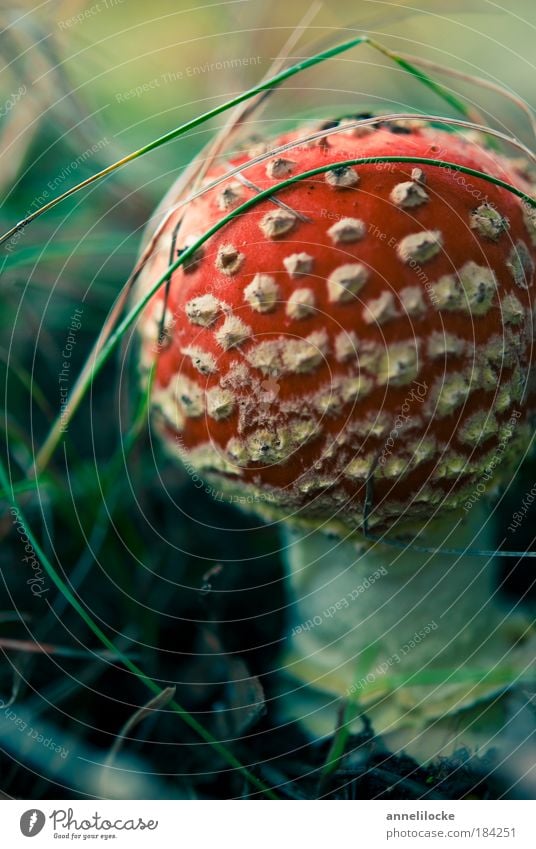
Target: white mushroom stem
[421,643]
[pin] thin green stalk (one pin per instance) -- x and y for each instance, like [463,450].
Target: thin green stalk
[151,685]
[32,647]
[107,349]
[479,82]
[62,249]
[350,712]
[432,549]
[500,677]
[23,487]
[266,85]
[434,86]
[190,125]
[109,493]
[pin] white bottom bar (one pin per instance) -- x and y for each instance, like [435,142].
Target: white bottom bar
[253,824]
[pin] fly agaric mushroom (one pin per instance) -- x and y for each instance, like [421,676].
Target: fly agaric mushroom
[353,354]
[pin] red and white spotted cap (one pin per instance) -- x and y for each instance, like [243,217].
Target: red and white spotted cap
[368,329]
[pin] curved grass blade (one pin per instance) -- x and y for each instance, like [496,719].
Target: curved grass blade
[22,487]
[438,88]
[115,337]
[78,388]
[349,713]
[33,647]
[62,250]
[263,86]
[109,492]
[432,549]
[480,82]
[190,125]
[193,174]
[496,676]
[129,664]
[154,704]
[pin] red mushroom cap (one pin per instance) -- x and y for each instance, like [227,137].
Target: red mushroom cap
[367,330]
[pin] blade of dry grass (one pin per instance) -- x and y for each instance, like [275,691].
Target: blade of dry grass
[222,750]
[81,383]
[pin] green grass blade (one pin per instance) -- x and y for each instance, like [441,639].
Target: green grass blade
[108,348]
[62,250]
[337,749]
[266,85]
[191,721]
[502,676]
[439,89]
[263,86]
[22,487]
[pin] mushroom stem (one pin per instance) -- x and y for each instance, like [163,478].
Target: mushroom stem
[421,643]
